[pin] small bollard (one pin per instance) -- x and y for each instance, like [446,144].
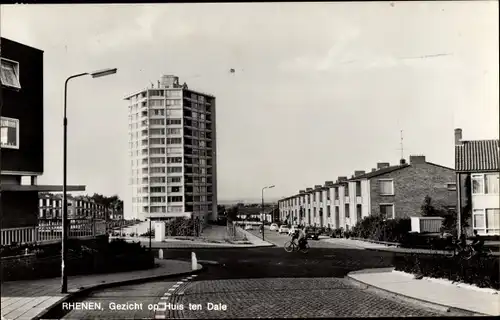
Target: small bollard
[194,261]
[160,254]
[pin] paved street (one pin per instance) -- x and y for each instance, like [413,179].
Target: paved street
[261,282]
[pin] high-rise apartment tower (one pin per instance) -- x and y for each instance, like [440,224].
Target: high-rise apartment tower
[172,150]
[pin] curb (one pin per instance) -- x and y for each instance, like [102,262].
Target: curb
[374,270]
[85,291]
[452,311]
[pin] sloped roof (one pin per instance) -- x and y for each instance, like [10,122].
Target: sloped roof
[379,172]
[477,155]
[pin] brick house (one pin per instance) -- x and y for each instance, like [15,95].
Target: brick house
[394,191]
[21,134]
[477,175]
[399,191]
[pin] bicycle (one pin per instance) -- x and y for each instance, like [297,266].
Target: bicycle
[466,252]
[292,246]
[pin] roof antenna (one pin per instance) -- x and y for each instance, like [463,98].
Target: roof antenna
[402,161]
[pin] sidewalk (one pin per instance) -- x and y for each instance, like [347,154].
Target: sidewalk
[257,241]
[28,299]
[440,294]
[212,237]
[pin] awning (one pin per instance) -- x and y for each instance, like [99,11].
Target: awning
[40,188]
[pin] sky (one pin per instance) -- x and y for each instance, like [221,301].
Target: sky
[319,89]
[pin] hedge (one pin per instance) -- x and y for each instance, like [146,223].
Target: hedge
[480,271]
[376,228]
[115,256]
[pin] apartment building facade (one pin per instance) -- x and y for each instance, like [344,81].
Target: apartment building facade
[21,134]
[79,207]
[393,191]
[477,174]
[172,148]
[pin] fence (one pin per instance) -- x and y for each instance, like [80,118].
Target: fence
[426,224]
[51,230]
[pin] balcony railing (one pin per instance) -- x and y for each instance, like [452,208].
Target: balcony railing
[51,230]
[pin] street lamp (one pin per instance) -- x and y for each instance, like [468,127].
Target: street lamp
[64,249]
[263,214]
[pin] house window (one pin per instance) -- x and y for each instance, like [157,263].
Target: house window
[478,220]
[491,183]
[336,191]
[386,187]
[9,133]
[358,188]
[477,184]
[9,73]
[346,210]
[328,211]
[314,212]
[452,186]
[387,211]
[358,212]
[321,196]
[493,221]
[328,194]
[346,190]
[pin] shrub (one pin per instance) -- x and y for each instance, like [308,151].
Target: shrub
[181,227]
[84,257]
[483,272]
[150,232]
[379,229]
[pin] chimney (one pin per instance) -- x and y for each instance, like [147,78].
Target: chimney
[317,186]
[417,159]
[458,137]
[373,169]
[309,189]
[302,191]
[342,178]
[381,165]
[402,161]
[358,172]
[328,183]
[158,84]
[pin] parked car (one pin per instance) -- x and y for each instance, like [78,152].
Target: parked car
[312,233]
[248,227]
[283,229]
[274,227]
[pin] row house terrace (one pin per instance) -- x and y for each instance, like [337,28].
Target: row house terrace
[79,207]
[393,191]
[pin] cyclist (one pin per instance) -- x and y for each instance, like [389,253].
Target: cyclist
[477,242]
[302,237]
[295,235]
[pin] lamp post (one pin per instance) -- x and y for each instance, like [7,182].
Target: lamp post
[64,248]
[263,213]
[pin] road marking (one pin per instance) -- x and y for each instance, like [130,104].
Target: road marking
[167,294]
[164,305]
[194,275]
[164,298]
[171,289]
[176,286]
[160,316]
[180,282]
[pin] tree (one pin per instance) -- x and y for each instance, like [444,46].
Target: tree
[428,210]
[232,213]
